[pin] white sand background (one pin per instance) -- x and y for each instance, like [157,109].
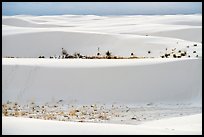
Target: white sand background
[102,81]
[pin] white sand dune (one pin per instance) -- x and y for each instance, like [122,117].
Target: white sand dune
[103,81]
[88,43]
[187,125]
[139,25]
[121,34]
[19,22]
[186,34]
[131,81]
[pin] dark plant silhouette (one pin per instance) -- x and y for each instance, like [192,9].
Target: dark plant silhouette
[41,57]
[166,55]
[108,53]
[183,54]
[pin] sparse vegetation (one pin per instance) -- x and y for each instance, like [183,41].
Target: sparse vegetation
[41,57]
[108,55]
[183,53]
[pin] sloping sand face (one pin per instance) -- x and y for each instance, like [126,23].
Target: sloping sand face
[187,125]
[49,43]
[103,81]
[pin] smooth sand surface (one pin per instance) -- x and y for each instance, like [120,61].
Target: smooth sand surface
[186,125]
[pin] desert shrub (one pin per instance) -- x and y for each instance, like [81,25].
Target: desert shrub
[183,54]
[41,57]
[70,56]
[108,53]
[166,55]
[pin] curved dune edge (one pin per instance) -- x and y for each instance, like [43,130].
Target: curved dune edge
[185,34]
[186,125]
[19,22]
